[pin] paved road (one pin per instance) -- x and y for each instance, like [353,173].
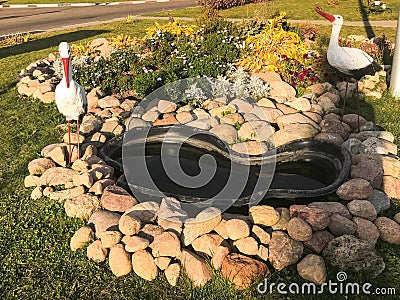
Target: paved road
[42,19]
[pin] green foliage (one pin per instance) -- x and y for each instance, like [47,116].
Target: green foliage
[265,48]
[308,31]
[297,74]
[237,125]
[175,28]
[375,7]
[15,39]
[224,4]
[210,21]
[164,57]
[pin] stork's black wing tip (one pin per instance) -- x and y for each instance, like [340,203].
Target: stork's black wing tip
[371,69]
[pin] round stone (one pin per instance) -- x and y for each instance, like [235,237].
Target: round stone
[389,230]
[363,209]
[237,229]
[299,230]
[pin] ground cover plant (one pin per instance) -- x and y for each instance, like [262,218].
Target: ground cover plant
[34,237]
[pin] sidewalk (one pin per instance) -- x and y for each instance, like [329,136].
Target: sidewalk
[79,4]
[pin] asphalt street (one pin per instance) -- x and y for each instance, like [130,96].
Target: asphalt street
[14,20]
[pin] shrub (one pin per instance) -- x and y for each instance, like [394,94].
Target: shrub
[245,86]
[333,2]
[308,31]
[208,15]
[297,74]
[175,28]
[123,41]
[224,4]
[16,39]
[210,21]
[250,28]
[82,50]
[265,49]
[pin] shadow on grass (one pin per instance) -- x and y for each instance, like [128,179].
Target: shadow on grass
[5,89]
[47,42]
[364,15]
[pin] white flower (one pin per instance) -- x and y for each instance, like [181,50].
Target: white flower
[195,94]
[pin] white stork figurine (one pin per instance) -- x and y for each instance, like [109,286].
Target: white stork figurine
[70,96]
[350,61]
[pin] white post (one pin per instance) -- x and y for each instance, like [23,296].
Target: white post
[395,77]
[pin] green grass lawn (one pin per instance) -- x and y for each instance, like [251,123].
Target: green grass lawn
[296,10]
[35,259]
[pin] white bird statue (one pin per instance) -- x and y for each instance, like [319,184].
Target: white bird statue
[352,62]
[70,96]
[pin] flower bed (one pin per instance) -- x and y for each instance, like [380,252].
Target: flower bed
[176,51]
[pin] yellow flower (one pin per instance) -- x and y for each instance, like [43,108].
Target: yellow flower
[175,28]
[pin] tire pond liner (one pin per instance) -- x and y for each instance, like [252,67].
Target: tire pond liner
[304,170]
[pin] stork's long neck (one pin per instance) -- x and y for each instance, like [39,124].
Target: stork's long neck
[67,71]
[334,41]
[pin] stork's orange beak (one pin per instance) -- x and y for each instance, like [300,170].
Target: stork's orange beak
[65,62]
[327,16]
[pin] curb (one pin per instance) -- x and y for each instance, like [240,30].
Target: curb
[81,4]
